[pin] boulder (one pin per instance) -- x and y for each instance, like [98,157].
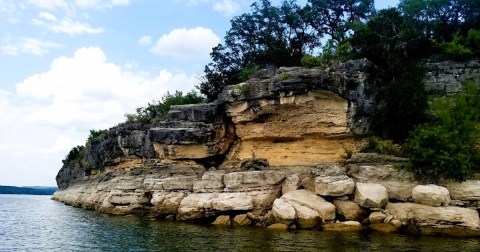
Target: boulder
[377,217]
[167,202]
[438,217]
[431,195]
[232,201]
[349,210]
[304,207]
[334,186]
[283,212]
[196,206]
[371,195]
[313,201]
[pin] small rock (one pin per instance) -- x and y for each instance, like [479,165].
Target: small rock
[222,220]
[431,195]
[388,219]
[349,210]
[396,223]
[278,226]
[377,217]
[347,226]
[242,220]
[385,228]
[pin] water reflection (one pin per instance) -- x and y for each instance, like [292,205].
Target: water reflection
[35,223]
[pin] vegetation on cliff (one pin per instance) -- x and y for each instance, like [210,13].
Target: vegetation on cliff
[397,40]
[157,111]
[441,138]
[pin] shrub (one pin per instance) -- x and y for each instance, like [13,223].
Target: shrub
[75,154]
[158,110]
[381,146]
[448,147]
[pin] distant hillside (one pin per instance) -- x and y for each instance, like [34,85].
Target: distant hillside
[34,190]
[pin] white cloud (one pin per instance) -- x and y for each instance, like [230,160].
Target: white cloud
[28,46]
[49,4]
[77,93]
[87,91]
[100,4]
[145,40]
[68,26]
[186,43]
[47,16]
[226,7]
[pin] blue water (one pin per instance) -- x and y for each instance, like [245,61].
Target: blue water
[36,223]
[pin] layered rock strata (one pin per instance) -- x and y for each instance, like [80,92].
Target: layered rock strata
[269,152]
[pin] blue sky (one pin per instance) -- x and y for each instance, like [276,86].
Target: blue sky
[68,66]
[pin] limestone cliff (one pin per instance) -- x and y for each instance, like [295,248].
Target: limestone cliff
[268,151]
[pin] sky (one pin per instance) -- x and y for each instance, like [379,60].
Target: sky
[68,66]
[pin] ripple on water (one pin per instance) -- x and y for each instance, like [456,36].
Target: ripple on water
[36,223]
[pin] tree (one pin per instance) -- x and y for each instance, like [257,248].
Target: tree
[443,19]
[336,18]
[269,35]
[394,44]
[448,148]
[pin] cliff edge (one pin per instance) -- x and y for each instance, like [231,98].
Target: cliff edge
[270,151]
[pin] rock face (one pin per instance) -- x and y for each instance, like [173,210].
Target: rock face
[446,77]
[435,217]
[380,169]
[431,195]
[269,152]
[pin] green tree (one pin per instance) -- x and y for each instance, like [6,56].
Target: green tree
[269,35]
[448,148]
[394,44]
[336,18]
[443,19]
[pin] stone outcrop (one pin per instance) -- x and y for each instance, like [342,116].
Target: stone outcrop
[269,153]
[446,77]
[438,218]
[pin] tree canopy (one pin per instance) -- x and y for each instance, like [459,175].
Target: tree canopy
[278,36]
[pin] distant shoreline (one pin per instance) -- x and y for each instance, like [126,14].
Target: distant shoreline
[32,190]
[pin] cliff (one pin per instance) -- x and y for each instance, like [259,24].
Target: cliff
[271,151]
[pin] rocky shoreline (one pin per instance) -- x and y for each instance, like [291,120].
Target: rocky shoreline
[271,153]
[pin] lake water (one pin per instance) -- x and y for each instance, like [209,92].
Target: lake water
[36,223]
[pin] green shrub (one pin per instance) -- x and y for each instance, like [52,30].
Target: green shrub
[462,47]
[158,110]
[75,155]
[311,61]
[248,72]
[95,134]
[381,146]
[448,147]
